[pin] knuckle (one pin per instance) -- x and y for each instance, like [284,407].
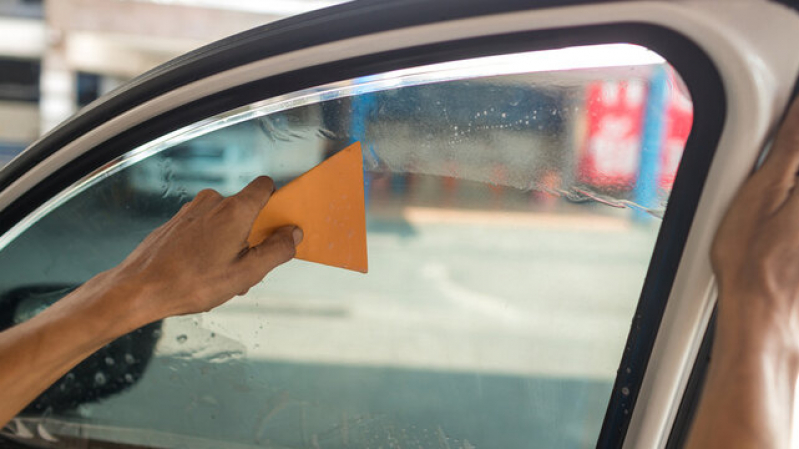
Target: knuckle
[207,194]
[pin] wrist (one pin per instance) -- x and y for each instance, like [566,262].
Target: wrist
[115,301]
[753,326]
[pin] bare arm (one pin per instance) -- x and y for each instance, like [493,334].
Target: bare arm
[749,391]
[195,262]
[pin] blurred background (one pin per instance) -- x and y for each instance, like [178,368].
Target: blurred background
[57,56]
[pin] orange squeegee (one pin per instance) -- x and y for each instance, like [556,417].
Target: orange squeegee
[327,203]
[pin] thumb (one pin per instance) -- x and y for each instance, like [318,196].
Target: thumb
[275,250]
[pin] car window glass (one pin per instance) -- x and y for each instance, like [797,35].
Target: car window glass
[513,203]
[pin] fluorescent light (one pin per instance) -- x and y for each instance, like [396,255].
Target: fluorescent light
[22,38]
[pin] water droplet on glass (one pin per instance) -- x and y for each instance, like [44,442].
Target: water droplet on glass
[129,378]
[99,378]
[182,338]
[109,361]
[129,359]
[625,391]
[224,356]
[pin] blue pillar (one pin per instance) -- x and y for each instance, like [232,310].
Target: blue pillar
[362,104]
[645,192]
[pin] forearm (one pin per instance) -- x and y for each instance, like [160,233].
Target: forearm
[197,261]
[36,353]
[749,392]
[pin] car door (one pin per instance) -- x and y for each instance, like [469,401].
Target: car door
[543,180]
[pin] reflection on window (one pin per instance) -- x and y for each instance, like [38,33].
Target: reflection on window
[513,205]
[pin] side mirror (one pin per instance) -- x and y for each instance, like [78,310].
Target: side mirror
[113,369]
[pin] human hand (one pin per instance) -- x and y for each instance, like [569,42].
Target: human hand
[200,258]
[749,390]
[756,251]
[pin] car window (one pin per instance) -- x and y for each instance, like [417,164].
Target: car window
[513,203]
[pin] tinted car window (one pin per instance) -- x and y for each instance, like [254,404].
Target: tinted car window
[513,203]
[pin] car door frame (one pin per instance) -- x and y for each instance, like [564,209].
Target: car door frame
[737,102]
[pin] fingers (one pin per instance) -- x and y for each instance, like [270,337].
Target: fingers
[251,198]
[256,194]
[204,202]
[277,249]
[782,163]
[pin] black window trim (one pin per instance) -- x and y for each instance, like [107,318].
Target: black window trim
[693,64]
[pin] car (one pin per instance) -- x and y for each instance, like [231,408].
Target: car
[539,274]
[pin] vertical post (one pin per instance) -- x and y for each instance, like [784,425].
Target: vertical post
[362,105]
[645,192]
[58,82]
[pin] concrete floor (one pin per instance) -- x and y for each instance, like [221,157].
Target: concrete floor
[472,329]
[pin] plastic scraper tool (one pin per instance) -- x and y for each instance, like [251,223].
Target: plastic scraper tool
[327,203]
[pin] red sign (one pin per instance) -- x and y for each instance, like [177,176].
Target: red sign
[679,119]
[615,112]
